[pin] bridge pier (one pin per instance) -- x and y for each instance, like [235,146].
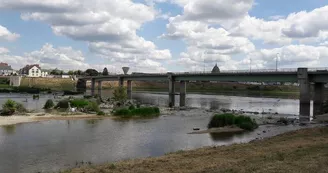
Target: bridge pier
[171,91]
[305,94]
[93,85]
[318,99]
[120,82]
[183,92]
[81,85]
[99,89]
[129,89]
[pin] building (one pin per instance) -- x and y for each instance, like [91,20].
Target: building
[216,69]
[6,70]
[33,70]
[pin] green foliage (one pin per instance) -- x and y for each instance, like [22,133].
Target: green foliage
[101,113]
[139,112]
[21,108]
[132,107]
[92,106]
[79,103]
[105,72]
[120,94]
[91,72]
[62,104]
[9,108]
[222,120]
[49,104]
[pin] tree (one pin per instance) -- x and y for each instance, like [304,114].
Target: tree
[78,72]
[70,72]
[120,94]
[105,72]
[91,72]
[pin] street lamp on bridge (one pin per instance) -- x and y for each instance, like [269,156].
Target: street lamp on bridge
[277,58]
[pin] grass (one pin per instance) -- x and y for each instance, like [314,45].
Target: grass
[222,120]
[301,151]
[137,112]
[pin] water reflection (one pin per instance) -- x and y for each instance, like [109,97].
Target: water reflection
[9,129]
[223,137]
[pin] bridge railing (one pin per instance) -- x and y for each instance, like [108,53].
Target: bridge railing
[225,71]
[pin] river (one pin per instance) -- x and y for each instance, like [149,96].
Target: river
[54,145]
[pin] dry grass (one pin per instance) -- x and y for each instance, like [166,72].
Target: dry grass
[301,151]
[52,83]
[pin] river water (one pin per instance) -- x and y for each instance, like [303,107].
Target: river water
[54,145]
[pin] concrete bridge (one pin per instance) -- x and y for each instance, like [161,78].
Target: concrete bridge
[304,76]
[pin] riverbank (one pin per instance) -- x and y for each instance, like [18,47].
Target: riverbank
[37,117]
[304,150]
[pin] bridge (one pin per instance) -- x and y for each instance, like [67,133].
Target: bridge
[304,76]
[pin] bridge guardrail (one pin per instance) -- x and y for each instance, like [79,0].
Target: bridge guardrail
[223,71]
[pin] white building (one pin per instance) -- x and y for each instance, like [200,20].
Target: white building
[33,71]
[6,70]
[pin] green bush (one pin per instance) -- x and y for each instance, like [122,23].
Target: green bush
[49,104]
[222,120]
[101,113]
[120,94]
[140,112]
[62,104]
[79,103]
[92,106]
[131,107]
[9,108]
[20,108]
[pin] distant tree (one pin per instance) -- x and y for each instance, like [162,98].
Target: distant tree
[70,72]
[105,72]
[56,72]
[78,72]
[91,72]
[61,72]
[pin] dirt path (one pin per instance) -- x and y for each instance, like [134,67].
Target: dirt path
[36,117]
[305,150]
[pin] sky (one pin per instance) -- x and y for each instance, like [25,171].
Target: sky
[164,35]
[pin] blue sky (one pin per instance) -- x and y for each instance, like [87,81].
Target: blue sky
[167,35]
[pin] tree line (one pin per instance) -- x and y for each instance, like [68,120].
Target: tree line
[88,72]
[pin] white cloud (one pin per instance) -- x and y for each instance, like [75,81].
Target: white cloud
[301,26]
[276,17]
[3,50]
[5,34]
[110,27]
[292,56]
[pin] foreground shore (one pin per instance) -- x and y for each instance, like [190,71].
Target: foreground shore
[304,150]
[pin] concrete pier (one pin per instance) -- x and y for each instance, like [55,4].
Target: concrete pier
[183,92]
[171,91]
[120,82]
[129,89]
[99,89]
[305,94]
[93,85]
[318,99]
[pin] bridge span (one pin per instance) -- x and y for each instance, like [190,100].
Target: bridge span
[304,76]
